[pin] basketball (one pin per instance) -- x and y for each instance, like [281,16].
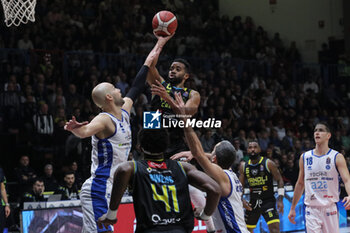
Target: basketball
[164,23]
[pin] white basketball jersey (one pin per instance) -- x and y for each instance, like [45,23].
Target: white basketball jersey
[229,215]
[321,178]
[108,153]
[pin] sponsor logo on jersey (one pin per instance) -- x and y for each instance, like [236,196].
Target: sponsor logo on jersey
[318,174]
[309,179]
[326,196]
[328,161]
[257,181]
[157,165]
[332,213]
[254,172]
[157,220]
[312,197]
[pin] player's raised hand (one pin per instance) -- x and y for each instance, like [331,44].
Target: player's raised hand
[180,105]
[104,221]
[291,216]
[347,202]
[162,40]
[73,124]
[159,89]
[185,155]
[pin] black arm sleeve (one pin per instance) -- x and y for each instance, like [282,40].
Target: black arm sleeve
[139,83]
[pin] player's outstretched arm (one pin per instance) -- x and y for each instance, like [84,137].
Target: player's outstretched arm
[157,49]
[277,176]
[85,129]
[145,73]
[122,177]
[345,176]
[203,182]
[298,190]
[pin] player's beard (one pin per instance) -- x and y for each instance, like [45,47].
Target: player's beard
[175,81]
[119,102]
[253,156]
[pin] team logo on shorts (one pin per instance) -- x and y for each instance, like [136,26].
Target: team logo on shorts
[151,120]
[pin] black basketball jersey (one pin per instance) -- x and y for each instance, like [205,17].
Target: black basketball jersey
[260,180]
[161,196]
[176,134]
[161,104]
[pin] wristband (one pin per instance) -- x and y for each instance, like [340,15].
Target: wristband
[111,214]
[203,216]
[280,192]
[7,204]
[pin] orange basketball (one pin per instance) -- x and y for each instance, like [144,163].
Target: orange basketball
[164,23]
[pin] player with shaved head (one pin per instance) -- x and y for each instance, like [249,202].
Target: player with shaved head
[110,134]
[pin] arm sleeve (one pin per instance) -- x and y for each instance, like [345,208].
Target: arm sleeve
[139,83]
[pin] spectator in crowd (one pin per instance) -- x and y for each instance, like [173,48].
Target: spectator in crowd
[290,173]
[36,194]
[43,127]
[24,173]
[207,141]
[78,176]
[50,181]
[25,42]
[68,189]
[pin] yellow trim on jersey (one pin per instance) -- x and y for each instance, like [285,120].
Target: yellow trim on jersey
[251,226]
[261,159]
[273,221]
[182,168]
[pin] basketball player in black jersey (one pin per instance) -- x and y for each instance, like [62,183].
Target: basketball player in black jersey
[260,173]
[163,98]
[160,189]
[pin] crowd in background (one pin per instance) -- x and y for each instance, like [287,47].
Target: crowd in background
[262,100]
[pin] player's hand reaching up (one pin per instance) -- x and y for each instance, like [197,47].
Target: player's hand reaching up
[179,105]
[104,221]
[73,124]
[162,40]
[347,202]
[159,89]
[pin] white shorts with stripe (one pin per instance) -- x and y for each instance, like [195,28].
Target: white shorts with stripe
[95,196]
